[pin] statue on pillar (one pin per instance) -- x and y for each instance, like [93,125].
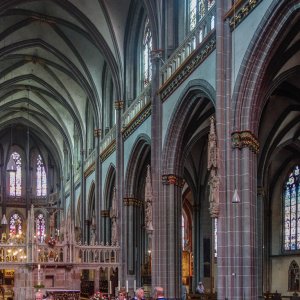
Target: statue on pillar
[114,216]
[148,203]
[214,180]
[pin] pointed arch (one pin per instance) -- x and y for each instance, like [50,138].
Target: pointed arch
[293,276]
[136,169]
[110,183]
[196,105]
[257,71]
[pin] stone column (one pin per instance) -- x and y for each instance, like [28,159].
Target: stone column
[159,257]
[96,280]
[261,249]
[167,263]
[119,105]
[83,198]
[98,179]
[242,219]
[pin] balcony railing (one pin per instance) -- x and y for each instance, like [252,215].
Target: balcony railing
[137,106]
[90,159]
[191,43]
[108,139]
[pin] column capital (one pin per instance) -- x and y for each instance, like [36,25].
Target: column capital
[104,213]
[173,179]
[156,54]
[243,139]
[119,104]
[132,202]
[97,132]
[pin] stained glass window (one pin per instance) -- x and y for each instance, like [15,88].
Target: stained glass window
[15,178]
[41,178]
[291,199]
[147,48]
[15,224]
[40,228]
[197,9]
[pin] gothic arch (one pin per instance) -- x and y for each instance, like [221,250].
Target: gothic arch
[139,158]
[197,98]
[110,183]
[256,72]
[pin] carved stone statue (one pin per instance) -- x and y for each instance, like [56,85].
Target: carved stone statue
[212,166]
[148,203]
[214,183]
[114,232]
[114,217]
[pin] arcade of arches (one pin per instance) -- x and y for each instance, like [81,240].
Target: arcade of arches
[150,143]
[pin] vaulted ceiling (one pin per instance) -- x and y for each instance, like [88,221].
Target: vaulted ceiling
[53,55]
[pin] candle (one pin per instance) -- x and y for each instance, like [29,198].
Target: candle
[126,286]
[39,274]
[119,285]
[134,285]
[110,287]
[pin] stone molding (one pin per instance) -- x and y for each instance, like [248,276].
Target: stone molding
[136,122]
[237,14]
[195,59]
[173,179]
[245,139]
[132,202]
[108,151]
[89,170]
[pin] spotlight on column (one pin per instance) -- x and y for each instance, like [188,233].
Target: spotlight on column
[236,197]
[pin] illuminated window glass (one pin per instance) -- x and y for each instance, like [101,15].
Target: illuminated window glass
[197,9]
[15,224]
[147,48]
[15,182]
[291,199]
[41,178]
[40,228]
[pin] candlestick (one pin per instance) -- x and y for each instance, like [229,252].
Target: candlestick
[110,287]
[126,286]
[119,285]
[134,285]
[39,274]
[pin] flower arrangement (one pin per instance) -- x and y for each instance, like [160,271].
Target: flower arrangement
[98,296]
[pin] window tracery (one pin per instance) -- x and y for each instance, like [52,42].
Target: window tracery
[293,276]
[40,228]
[197,9]
[41,178]
[15,177]
[291,199]
[15,224]
[147,48]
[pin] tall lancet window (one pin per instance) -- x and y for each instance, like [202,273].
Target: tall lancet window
[40,228]
[15,224]
[15,178]
[291,204]
[147,48]
[41,178]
